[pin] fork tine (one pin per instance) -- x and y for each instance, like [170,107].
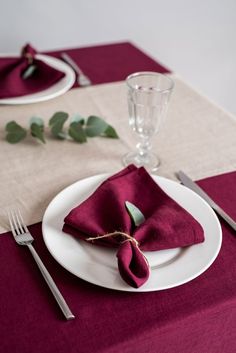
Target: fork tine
[13,217]
[21,230]
[22,222]
[11,223]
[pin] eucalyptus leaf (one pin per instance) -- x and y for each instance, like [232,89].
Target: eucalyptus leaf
[62,135]
[110,132]
[135,213]
[95,126]
[77,119]
[15,133]
[29,71]
[37,131]
[77,133]
[56,124]
[58,117]
[36,120]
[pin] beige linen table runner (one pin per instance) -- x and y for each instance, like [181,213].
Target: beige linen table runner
[197,137]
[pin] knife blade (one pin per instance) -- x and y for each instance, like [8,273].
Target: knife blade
[194,187]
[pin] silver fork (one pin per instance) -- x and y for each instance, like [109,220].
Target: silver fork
[23,237]
[82,80]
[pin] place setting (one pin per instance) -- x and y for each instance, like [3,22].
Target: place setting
[31,77]
[166,237]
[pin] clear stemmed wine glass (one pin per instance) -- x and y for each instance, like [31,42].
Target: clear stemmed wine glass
[148,97]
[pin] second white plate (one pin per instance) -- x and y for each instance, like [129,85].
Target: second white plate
[55,90]
[98,265]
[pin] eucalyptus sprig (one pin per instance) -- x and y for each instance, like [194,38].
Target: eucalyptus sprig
[79,128]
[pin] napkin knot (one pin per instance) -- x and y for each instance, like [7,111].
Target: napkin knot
[129,253]
[116,233]
[29,57]
[28,53]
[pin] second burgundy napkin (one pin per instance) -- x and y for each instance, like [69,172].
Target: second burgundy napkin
[167,225]
[12,83]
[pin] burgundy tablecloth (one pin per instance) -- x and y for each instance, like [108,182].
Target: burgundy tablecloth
[197,317]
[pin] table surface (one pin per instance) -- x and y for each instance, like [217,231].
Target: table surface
[197,137]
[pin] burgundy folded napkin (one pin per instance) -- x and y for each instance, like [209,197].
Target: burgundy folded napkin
[12,70]
[167,225]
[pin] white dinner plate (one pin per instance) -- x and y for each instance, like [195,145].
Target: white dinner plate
[53,91]
[98,265]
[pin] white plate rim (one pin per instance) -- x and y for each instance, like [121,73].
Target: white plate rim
[125,287]
[59,88]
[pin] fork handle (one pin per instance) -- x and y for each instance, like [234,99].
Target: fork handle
[51,284]
[72,63]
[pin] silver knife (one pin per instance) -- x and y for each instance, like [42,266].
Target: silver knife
[193,186]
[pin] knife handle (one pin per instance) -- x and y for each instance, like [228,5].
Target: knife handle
[226,217]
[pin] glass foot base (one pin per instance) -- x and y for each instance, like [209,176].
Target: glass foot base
[150,161]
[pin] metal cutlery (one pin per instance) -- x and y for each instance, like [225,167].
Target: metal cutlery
[82,79]
[22,236]
[193,186]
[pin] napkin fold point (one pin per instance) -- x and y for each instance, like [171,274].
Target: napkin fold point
[132,264]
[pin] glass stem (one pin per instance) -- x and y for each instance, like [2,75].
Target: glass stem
[144,147]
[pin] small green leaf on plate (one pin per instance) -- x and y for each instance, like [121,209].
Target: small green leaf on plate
[77,133]
[95,126]
[135,213]
[29,71]
[15,133]
[57,122]
[37,131]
